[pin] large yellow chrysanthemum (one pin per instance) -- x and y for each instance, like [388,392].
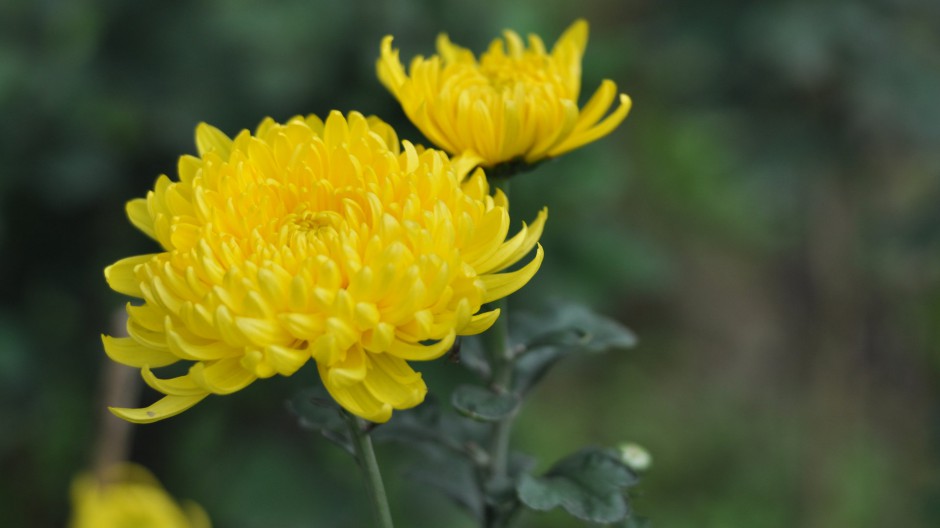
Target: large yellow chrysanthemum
[512,104]
[329,241]
[130,497]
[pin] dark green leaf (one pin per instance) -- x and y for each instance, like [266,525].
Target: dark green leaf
[588,484]
[520,463]
[562,329]
[473,357]
[455,479]
[419,428]
[571,327]
[317,411]
[483,404]
[438,437]
[432,432]
[500,492]
[531,367]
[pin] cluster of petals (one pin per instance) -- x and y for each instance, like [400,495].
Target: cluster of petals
[128,495]
[325,240]
[516,102]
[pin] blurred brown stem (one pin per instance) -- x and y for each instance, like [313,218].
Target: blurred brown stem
[120,386]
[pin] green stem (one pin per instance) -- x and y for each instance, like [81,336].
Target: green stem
[501,360]
[365,455]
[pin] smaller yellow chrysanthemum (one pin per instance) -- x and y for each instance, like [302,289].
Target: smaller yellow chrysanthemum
[130,497]
[520,103]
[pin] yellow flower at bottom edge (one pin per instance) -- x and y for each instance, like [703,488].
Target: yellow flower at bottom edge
[130,497]
[329,241]
[516,102]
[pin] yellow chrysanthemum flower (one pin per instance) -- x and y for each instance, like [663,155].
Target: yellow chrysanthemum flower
[329,241]
[515,103]
[130,497]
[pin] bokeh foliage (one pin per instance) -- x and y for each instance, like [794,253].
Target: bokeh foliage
[766,221]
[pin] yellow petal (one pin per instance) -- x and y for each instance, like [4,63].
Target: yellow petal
[536,45]
[465,163]
[480,323]
[194,349]
[385,132]
[164,408]
[597,106]
[336,129]
[575,36]
[286,360]
[367,315]
[351,370]
[224,376]
[515,248]
[262,332]
[122,278]
[489,233]
[179,386]
[533,233]
[188,167]
[484,130]
[418,352]
[422,118]
[389,68]
[149,338]
[547,144]
[147,315]
[356,399]
[380,338]
[392,381]
[138,212]
[502,284]
[600,130]
[128,352]
[449,51]
[303,326]
[514,43]
[510,132]
[209,139]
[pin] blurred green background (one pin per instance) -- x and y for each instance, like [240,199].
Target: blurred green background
[766,220]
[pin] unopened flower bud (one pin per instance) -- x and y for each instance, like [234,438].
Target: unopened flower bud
[635,456]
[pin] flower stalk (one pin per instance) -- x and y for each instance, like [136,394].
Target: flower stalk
[498,345]
[501,359]
[371,476]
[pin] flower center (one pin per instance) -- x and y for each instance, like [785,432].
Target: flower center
[316,222]
[314,225]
